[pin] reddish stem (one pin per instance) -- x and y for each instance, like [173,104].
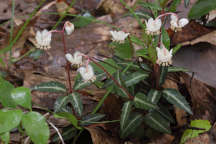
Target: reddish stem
[114,80]
[67,67]
[156,72]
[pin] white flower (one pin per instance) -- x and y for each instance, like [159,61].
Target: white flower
[164,56]
[153,26]
[43,39]
[119,36]
[176,24]
[87,73]
[76,59]
[69,27]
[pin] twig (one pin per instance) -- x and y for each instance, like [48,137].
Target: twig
[56,129]
[26,140]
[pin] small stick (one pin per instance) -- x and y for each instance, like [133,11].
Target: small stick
[56,129]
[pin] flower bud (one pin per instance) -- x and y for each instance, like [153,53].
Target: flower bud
[69,27]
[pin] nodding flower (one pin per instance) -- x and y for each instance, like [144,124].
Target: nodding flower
[164,56]
[153,26]
[76,59]
[119,36]
[87,73]
[69,27]
[43,39]
[176,23]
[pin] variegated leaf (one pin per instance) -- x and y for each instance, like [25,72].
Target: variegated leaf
[174,97]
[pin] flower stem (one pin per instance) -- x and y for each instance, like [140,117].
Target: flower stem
[114,80]
[67,67]
[165,14]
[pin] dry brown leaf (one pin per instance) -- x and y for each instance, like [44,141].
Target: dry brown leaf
[62,6]
[180,114]
[190,32]
[209,37]
[202,98]
[99,136]
[164,139]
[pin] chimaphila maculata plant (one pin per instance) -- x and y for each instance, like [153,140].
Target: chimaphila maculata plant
[139,84]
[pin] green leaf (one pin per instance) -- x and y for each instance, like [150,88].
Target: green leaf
[91,119]
[201,7]
[133,123]
[174,5]
[76,103]
[176,48]
[165,113]
[175,98]
[109,65]
[142,102]
[136,40]
[82,21]
[70,117]
[126,109]
[157,122]
[163,74]
[5,93]
[123,50]
[9,119]
[36,127]
[121,92]
[152,53]
[186,3]
[190,133]
[154,6]
[145,67]
[177,69]
[5,137]
[61,104]
[135,78]
[22,96]
[165,38]
[153,96]
[51,86]
[142,52]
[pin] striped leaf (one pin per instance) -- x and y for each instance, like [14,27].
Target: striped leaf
[91,118]
[175,98]
[157,122]
[61,104]
[126,109]
[133,123]
[165,113]
[51,86]
[76,103]
[141,102]
[177,69]
[154,96]
[135,78]
[121,92]
[163,74]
